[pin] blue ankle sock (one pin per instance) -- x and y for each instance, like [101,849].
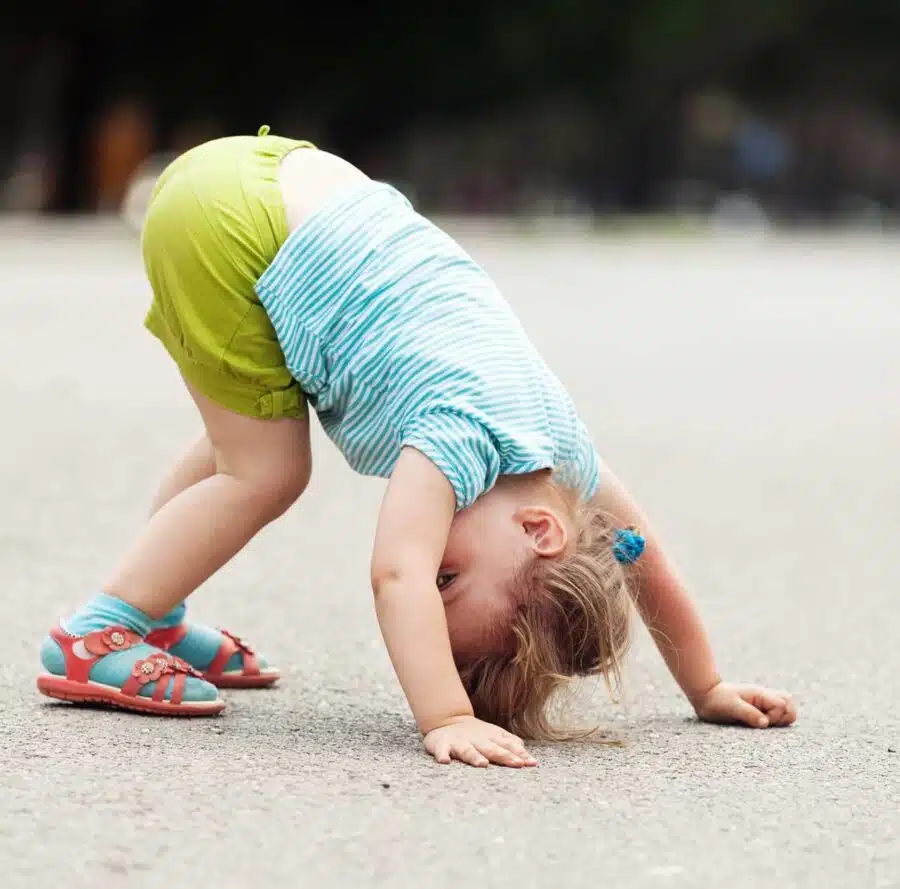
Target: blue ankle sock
[173,618]
[201,644]
[103,611]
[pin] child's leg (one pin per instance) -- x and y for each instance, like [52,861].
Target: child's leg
[227,661]
[262,467]
[195,465]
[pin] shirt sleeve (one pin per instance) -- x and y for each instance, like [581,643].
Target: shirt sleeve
[460,447]
[581,472]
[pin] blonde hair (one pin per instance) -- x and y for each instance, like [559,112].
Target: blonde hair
[573,620]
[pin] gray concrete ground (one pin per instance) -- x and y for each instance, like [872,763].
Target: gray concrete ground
[749,394]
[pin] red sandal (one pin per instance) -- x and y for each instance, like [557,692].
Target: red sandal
[251,675]
[82,652]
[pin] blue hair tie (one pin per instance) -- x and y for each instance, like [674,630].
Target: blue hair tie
[628,545]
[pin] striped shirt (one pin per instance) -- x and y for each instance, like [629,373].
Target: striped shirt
[399,339]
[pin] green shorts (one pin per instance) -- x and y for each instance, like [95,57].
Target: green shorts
[215,221]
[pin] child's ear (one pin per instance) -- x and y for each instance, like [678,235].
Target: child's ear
[546,532]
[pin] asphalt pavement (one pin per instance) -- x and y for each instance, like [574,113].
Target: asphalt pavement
[748,390]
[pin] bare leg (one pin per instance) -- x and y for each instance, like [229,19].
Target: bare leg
[197,464]
[202,643]
[262,467]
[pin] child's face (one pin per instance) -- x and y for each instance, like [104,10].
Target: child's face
[488,544]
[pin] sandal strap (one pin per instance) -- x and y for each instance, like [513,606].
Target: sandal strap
[178,688]
[226,649]
[162,686]
[167,637]
[82,652]
[231,645]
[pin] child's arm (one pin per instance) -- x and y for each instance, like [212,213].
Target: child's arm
[674,622]
[409,544]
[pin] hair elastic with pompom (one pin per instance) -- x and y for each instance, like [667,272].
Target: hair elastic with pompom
[628,545]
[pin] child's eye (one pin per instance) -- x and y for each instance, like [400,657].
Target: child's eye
[444,580]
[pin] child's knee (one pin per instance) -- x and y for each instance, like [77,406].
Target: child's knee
[276,489]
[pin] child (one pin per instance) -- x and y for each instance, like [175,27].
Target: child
[283,276]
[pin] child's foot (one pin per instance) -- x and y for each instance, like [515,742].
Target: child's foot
[116,667]
[221,657]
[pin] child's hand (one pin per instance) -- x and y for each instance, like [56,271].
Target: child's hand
[753,705]
[478,743]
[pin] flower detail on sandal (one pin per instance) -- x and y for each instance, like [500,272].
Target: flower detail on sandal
[153,668]
[242,646]
[181,666]
[103,642]
[149,670]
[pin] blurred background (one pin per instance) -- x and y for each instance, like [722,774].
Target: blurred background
[772,111]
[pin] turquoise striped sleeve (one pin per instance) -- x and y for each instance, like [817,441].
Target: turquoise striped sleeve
[590,473]
[588,461]
[581,469]
[589,465]
[460,447]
